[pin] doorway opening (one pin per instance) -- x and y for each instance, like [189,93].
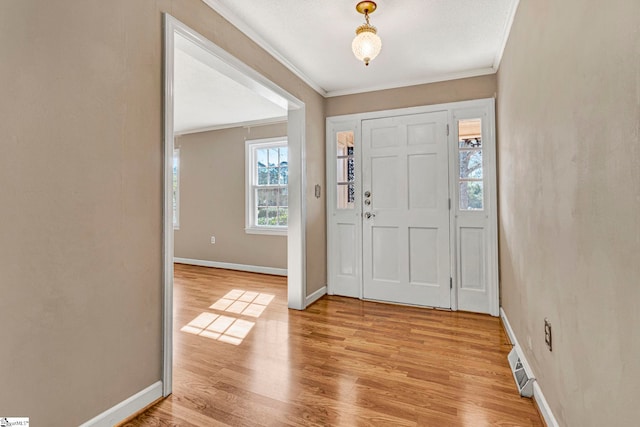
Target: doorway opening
[178,35]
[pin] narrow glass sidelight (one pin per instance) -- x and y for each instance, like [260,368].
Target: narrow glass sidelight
[471,165]
[345,172]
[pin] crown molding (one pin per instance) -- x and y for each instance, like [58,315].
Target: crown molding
[398,84]
[249,32]
[255,37]
[246,124]
[505,34]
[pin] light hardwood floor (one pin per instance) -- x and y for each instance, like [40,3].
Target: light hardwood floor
[342,362]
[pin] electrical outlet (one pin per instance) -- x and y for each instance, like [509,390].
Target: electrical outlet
[547,333]
[213,240]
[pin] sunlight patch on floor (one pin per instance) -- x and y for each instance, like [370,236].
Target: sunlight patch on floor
[230,329]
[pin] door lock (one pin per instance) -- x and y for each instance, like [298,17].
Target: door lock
[367,202]
[367,194]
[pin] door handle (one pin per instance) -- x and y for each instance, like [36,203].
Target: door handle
[369,215]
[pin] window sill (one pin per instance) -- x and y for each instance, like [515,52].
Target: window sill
[266,230]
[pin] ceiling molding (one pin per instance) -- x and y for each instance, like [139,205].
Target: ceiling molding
[394,85]
[505,34]
[247,124]
[248,31]
[230,16]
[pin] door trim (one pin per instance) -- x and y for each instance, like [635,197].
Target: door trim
[237,70]
[485,104]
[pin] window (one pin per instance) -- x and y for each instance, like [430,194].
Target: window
[345,172]
[470,164]
[176,188]
[267,178]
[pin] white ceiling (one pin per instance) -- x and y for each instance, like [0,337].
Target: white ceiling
[205,99]
[422,40]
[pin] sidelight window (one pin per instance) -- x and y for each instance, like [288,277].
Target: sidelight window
[470,163]
[345,172]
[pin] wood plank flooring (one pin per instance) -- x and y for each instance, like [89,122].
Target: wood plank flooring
[342,362]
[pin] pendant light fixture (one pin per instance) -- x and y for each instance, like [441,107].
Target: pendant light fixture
[366,46]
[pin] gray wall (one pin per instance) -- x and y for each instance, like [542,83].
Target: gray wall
[569,177]
[413,96]
[212,200]
[81,174]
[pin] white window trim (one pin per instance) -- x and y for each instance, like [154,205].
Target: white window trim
[176,218]
[250,147]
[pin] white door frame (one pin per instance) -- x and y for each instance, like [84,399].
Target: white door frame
[235,69]
[455,110]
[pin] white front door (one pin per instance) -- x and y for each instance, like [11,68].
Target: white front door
[405,194]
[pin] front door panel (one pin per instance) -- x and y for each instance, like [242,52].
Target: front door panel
[405,189]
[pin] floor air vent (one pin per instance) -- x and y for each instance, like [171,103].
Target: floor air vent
[522,378]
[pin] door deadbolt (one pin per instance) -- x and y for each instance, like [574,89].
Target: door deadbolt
[367,194]
[367,202]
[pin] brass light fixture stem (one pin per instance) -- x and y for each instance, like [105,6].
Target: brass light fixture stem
[366,7]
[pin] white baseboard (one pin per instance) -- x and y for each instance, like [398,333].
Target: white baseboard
[543,405]
[127,408]
[230,266]
[545,410]
[315,296]
[516,344]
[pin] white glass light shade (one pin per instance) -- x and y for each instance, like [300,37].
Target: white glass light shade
[367,45]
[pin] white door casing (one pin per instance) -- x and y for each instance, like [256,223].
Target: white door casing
[225,63]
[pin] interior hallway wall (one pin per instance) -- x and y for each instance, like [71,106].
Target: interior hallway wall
[413,96]
[569,177]
[212,200]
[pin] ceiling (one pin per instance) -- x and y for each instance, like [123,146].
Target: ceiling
[423,41]
[205,99]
